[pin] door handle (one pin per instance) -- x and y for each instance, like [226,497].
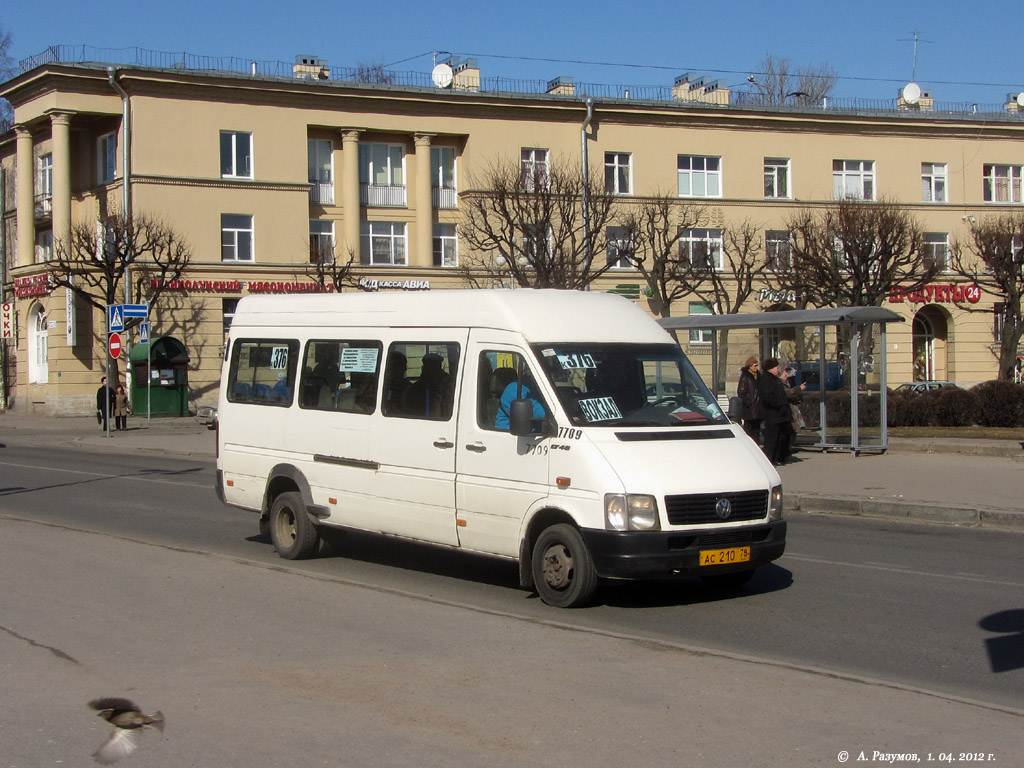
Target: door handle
[476,447]
[442,443]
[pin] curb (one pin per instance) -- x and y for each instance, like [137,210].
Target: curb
[989,519]
[1012,449]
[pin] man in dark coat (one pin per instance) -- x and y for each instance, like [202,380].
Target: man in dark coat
[778,416]
[105,397]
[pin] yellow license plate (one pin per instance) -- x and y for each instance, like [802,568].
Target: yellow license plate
[724,556]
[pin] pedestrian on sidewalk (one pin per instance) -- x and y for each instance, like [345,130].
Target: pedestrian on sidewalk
[778,416]
[795,394]
[746,390]
[105,398]
[122,408]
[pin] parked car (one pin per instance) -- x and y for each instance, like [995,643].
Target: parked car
[207,414]
[917,387]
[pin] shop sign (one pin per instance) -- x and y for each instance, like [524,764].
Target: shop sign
[369,284]
[938,294]
[777,296]
[36,285]
[7,320]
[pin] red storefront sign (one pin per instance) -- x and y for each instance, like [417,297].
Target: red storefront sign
[938,294]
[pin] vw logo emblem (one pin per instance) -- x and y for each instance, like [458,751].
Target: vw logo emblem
[723,508]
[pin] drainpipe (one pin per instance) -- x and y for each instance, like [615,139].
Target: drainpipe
[126,147]
[3,298]
[586,182]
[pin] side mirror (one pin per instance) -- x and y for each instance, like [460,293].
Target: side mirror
[520,418]
[736,409]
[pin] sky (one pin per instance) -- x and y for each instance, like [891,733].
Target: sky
[967,53]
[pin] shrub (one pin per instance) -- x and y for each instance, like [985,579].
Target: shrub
[954,407]
[1000,403]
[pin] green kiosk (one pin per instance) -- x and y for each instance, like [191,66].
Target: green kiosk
[160,377]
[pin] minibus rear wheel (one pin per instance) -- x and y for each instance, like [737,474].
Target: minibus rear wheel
[293,533]
[563,570]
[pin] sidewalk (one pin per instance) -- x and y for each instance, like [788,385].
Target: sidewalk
[975,483]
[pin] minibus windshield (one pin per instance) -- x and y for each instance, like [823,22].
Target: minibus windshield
[628,385]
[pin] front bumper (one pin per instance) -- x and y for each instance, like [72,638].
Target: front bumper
[654,554]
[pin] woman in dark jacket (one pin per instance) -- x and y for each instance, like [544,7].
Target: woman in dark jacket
[778,416]
[747,391]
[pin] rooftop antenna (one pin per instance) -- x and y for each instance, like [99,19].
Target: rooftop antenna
[917,39]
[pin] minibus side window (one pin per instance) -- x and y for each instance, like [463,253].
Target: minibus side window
[419,380]
[263,371]
[340,376]
[503,377]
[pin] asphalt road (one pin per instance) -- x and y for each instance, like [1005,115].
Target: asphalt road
[929,607]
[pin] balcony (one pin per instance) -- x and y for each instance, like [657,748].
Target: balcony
[321,192]
[43,207]
[382,195]
[446,198]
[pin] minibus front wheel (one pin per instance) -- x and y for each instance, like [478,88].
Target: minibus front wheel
[563,569]
[293,533]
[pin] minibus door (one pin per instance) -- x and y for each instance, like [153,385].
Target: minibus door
[498,476]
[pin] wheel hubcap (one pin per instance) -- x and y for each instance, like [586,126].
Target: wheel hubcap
[558,567]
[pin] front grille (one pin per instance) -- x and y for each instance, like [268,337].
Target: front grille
[699,508]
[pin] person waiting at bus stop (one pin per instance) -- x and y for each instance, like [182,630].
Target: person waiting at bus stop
[778,416]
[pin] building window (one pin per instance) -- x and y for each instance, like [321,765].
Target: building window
[1002,183]
[620,248]
[446,245]
[533,169]
[933,182]
[700,336]
[321,242]
[38,356]
[235,155]
[776,177]
[854,179]
[699,176]
[778,250]
[442,174]
[383,242]
[44,246]
[236,237]
[382,175]
[320,156]
[701,249]
[228,307]
[998,321]
[44,183]
[936,251]
[106,158]
[618,173]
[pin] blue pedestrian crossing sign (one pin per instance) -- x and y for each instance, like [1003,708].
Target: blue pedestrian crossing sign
[118,313]
[144,333]
[115,318]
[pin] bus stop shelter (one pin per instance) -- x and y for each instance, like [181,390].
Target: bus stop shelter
[850,325]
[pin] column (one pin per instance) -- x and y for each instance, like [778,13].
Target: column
[25,196]
[349,191]
[61,127]
[422,253]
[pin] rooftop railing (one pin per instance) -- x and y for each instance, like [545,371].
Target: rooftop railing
[379,76]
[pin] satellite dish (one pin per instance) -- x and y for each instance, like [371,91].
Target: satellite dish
[1020,99]
[442,75]
[911,93]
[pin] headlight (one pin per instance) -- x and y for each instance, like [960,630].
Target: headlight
[630,512]
[775,504]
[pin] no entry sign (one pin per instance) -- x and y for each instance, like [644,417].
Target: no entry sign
[114,345]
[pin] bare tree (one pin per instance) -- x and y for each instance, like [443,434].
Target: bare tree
[99,256]
[543,225]
[327,270]
[993,258]
[7,70]
[854,253]
[651,234]
[779,82]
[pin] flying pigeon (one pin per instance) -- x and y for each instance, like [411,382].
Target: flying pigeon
[127,720]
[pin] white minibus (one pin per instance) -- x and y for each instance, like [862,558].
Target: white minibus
[563,430]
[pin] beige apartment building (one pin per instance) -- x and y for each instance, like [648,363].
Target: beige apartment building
[257,168]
